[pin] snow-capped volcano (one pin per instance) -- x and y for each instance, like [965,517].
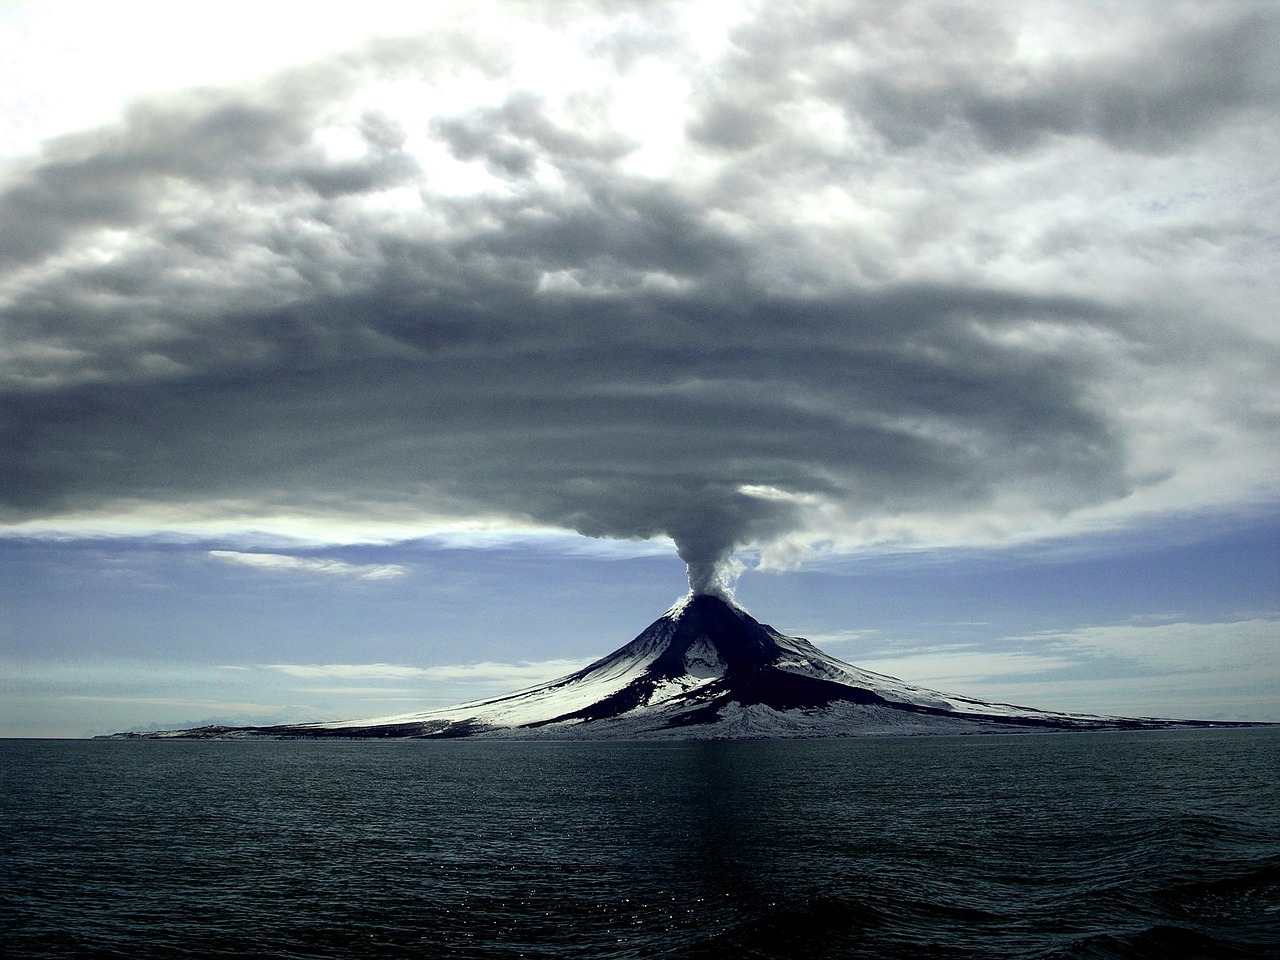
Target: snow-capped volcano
[704,669]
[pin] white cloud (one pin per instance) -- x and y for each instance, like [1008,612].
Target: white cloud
[105,696]
[487,673]
[493,673]
[130,47]
[348,671]
[1185,669]
[958,670]
[184,703]
[285,563]
[1169,648]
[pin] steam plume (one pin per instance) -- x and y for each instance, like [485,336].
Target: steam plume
[710,575]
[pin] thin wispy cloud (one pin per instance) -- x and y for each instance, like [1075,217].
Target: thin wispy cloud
[184,703]
[348,671]
[487,673]
[1235,654]
[279,562]
[959,667]
[1183,647]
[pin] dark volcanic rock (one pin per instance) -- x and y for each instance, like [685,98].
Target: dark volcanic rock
[704,668]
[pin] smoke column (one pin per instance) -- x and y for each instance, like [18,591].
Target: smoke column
[707,569]
[715,520]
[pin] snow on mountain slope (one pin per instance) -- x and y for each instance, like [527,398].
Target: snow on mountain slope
[705,669]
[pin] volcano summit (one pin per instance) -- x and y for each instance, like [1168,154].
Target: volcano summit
[704,669]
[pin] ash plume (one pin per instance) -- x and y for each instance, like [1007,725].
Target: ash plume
[791,329]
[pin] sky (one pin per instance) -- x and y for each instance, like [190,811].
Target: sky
[365,358]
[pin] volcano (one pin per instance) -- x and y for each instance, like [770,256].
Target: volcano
[705,669]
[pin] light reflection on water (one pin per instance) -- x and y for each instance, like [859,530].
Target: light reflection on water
[1085,845]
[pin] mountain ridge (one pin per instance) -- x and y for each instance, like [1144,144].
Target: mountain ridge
[705,669]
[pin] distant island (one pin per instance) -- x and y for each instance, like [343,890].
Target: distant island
[705,669]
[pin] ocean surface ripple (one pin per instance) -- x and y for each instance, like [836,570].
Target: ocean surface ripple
[1099,845]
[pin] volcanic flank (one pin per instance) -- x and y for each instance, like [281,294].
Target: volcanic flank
[704,669]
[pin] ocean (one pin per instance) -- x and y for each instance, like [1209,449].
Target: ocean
[1098,845]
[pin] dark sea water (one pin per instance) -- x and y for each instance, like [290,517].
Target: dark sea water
[1097,845]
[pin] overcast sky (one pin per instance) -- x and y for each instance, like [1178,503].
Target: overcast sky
[381,357]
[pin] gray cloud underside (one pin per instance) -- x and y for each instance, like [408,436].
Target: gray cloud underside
[200,304]
[947,72]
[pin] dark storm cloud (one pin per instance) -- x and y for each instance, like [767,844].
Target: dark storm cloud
[1153,101]
[627,417]
[209,138]
[916,74]
[586,347]
[512,137]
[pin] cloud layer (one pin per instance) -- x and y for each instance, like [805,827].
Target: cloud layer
[845,274]
[1160,669]
[322,565]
